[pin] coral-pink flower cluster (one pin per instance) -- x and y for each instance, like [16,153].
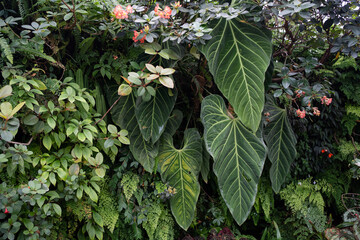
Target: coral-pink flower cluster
[120,13]
[166,13]
[326,100]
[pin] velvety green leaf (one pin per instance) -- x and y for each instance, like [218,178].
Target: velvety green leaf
[153,115]
[123,115]
[180,168]
[205,165]
[174,122]
[281,142]
[239,55]
[238,154]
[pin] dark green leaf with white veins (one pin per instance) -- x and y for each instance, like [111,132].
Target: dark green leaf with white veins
[281,142]
[238,154]
[180,168]
[123,114]
[239,55]
[153,115]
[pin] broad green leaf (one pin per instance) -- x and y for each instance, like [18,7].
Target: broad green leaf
[47,142]
[123,115]
[239,55]
[238,154]
[57,208]
[98,219]
[180,168]
[174,122]
[153,115]
[281,142]
[124,90]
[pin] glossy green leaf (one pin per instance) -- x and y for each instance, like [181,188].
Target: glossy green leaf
[180,168]
[281,142]
[239,55]
[153,115]
[238,154]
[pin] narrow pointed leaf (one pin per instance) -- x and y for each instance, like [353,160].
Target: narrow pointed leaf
[238,154]
[281,142]
[153,115]
[239,54]
[180,168]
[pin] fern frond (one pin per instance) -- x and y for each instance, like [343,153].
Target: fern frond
[6,49]
[36,53]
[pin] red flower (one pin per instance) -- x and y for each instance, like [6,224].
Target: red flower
[6,211]
[323,150]
[330,155]
[136,34]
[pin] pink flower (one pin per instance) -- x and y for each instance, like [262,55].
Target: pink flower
[300,114]
[6,211]
[176,5]
[167,11]
[316,111]
[129,9]
[120,13]
[326,100]
[163,14]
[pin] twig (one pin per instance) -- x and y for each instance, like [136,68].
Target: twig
[108,110]
[353,142]
[20,143]
[71,10]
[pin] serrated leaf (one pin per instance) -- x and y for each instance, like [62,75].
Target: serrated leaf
[239,55]
[281,142]
[238,155]
[180,168]
[153,115]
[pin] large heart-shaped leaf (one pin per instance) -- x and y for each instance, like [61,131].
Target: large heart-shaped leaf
[239,54]
[180,168]
[153,114]
[123,114]
[238,154]
[281,142]
[174,122]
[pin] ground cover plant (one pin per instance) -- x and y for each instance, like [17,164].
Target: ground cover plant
[179,119]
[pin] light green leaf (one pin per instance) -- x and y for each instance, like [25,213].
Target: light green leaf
[47,142]
[124,90]
[153,115]
[6,48]
[239,55]
[180,168]
[167,82]
[98,219]
[281,142]
[57,208]
[51,122]
[100,172]
[5,91]
[238,154]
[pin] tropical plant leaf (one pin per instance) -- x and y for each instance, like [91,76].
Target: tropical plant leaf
[174,122]
[152,115]
[238,154]
[281,142]
[239,55]
[123,115]
[205,165]
[180,168]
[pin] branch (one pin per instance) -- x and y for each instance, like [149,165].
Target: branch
[108,110]
[71,10]
[20,143]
